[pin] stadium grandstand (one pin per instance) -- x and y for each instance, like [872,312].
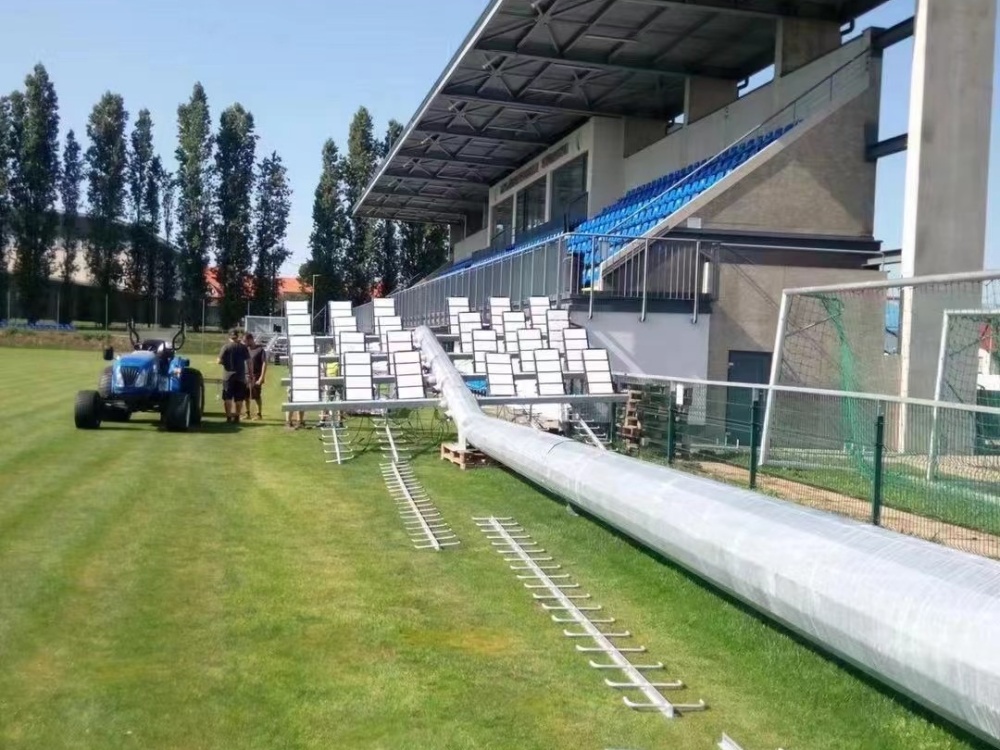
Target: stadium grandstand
[613,157]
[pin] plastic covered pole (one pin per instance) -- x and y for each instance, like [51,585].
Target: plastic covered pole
[917,616]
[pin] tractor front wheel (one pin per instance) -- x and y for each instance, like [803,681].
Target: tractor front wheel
[177,412]
[87,410]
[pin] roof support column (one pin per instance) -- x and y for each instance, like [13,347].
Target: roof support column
[799,41]
[703,96]
[944,208]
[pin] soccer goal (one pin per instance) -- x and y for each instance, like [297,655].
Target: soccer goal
[880,347]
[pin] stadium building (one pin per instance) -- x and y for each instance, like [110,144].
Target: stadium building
[612,156]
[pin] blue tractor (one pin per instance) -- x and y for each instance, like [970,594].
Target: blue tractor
[152,378]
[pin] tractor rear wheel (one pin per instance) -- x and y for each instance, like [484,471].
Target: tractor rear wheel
[177,412]
[87,410]
[104,383]
[193,384]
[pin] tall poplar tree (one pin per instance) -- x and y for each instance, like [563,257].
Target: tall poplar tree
[329,240]
[33,135]
[194,188]
[107,162]
[361,256]
[235,148]
[167,257]
[388,249]
[141,246]
[6,167]
[271,210]
[69,196]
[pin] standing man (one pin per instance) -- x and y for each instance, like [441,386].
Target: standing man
[258,368]
[234,358]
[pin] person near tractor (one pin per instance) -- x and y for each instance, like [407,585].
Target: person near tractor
[257,371]
[235,360]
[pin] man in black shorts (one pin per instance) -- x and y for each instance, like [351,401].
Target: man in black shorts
[258,368]
[234,359]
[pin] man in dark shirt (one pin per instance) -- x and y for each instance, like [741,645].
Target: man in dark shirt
[234,359]
[258,368]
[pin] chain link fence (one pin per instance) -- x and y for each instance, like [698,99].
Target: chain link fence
[831,451]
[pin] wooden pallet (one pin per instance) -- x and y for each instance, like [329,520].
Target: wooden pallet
[469,458]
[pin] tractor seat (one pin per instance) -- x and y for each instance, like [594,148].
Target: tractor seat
[163,353]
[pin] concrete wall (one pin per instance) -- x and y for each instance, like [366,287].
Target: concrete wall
[665,344]
[470,244]
[745,315]
[606,176]
[711,134]
[820,184]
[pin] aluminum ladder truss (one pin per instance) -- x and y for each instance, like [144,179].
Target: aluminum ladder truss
[395,447]
[336,440]
[424,524]
[557,594]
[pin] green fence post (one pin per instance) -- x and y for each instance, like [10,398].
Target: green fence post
[671,426]
[754,437]
[877,478]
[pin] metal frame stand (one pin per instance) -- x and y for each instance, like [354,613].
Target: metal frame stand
[550,590]
[423,522]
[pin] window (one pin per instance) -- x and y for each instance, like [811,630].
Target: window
[503,220]
[531,206]
[569,185]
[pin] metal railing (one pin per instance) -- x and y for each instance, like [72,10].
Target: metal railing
[666,268]
[831,450]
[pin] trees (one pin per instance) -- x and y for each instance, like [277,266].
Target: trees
[166,257]
[270,227]
[388,260]
[140,258]
[107,160]
[6,167]
[361,257]
[194,150]
[329,239]
[235,149]
[423,248]
[33,177]
[69,195]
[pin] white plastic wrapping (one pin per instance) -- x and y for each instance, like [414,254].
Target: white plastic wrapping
[922,618]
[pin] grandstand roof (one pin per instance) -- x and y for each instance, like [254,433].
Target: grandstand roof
[530,71]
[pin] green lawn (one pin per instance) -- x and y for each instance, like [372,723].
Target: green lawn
[227,589]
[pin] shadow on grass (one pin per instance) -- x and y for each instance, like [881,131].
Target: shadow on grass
[852,669]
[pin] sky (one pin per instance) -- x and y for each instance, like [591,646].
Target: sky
[304,67]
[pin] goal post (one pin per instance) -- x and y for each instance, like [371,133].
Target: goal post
[963,335]
[883,337]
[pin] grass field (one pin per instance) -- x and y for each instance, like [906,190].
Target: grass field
[226,589]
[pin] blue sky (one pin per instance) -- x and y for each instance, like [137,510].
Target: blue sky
[303,67]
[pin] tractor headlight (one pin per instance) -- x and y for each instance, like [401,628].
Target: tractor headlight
[141,379]
[119,378]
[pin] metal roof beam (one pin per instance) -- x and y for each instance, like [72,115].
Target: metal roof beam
[551,109]
[581,63]
[772,9]
[512,138]
[457,182]
[473,161]
[390,193]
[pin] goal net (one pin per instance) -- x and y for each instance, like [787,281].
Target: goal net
[870,344]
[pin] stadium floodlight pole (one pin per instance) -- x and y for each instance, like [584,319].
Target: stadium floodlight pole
[779,345]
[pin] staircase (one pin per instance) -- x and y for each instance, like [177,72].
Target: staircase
[276,349]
